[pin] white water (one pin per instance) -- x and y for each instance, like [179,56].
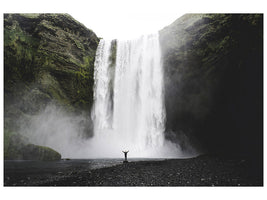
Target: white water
[134,117]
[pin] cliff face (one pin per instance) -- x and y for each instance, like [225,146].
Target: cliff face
[48,58]
[17,148]
[213,81]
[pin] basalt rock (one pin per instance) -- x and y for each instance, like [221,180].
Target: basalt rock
[48,59]
[213,68]
[16,147]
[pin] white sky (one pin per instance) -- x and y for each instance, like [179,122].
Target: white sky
[126,18]
[109,18]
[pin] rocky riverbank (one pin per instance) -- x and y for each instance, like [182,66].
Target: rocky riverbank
[200,171]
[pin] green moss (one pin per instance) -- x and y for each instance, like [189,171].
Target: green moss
[12,145]
[19,53]
[46,24]
[30,15]
[36,152]
[53,44]
[112,57]
[16,148]
[79,44]
[88,61]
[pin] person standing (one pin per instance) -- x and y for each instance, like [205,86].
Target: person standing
[125,156]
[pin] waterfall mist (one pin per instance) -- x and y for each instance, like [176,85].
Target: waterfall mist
[129,112]
[63,131]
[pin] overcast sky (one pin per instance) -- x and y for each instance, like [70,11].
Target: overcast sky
[126,18]
[126,25]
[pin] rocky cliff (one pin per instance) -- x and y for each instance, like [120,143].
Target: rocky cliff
[18,148]
[213,68]
[48,58]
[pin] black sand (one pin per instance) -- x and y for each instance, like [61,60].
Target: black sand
[200,171]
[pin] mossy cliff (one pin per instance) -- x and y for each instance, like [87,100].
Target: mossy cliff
[51,56]
[18,148]
[213,68]
[47,58]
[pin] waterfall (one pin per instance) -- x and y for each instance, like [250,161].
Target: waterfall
[128,111]
[102,110]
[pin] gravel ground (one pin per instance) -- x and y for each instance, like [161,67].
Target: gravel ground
[199,171]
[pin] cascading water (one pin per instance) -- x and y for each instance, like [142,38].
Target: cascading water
[102,109]
[129,112]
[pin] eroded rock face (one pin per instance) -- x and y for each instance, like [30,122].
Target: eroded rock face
[18,148]
[213,81]
[48,58]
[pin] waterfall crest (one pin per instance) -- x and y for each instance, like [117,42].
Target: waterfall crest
[128,111]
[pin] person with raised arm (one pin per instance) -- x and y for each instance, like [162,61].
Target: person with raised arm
[125,156]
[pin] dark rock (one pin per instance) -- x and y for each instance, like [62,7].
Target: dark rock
[213,67]
[217,172]
[47,58]
[35,152]
[16,147]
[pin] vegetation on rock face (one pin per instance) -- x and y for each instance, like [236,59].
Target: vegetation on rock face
[111,69]
[16,147]
[51,53]
[213,81]
[35,152]
[47,58]
[12,145]
[113,54]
